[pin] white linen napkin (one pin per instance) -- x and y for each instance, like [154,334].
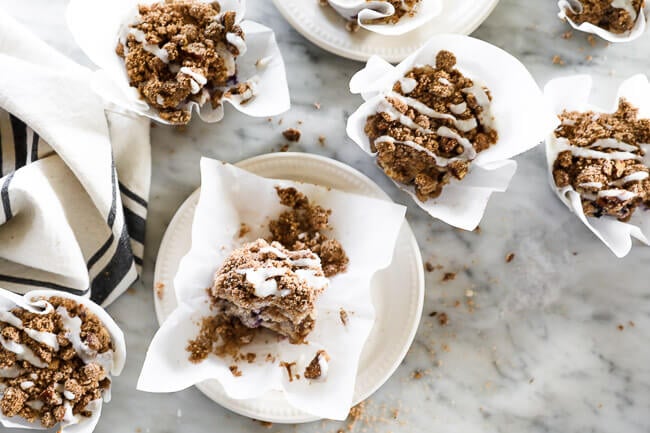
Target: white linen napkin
[63,160]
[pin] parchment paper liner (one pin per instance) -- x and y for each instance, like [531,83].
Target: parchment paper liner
[361,12]
[637,30]
[572,93]
[367,229]
[522,120]
[9,300]
[98,38]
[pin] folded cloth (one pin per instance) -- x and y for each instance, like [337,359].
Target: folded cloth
[74,178]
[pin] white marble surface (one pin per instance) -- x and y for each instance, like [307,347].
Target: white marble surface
[540,352]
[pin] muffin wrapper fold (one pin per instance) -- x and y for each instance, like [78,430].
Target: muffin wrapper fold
[363,11]
[637,30]
[367,228]
[261,64]
[572,93]
[29,301]
[521,117]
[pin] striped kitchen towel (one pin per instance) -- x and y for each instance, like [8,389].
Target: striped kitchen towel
[74,178]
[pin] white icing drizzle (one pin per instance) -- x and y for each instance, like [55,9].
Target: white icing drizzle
[620,194]
[228,57]
[73,334]
[324,366]
[417,106]
[610,143]
[154,49]
[597,185]
[35,404]
[46,338]
[273,250]
[636,176]
[468,149]
[458,108]
[10,372]
[197,80]
[238,42]
[22,352]
[408,84]
[483,100]
[313,280]
[262,280]
[69,395]
[263,62]
[26,385]
[564,144]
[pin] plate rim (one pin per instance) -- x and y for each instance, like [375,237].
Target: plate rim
[230,404]
[362,56]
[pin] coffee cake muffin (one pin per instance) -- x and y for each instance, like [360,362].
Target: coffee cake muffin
[601,156]
[183,52]
[430,127]
[614,16]
[55,362]
[267,285]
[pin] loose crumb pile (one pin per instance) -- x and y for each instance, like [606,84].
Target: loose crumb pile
[604,160]
[303,226]
[606,15]
[63,383]
[431,126]
[314,370]
[183,51]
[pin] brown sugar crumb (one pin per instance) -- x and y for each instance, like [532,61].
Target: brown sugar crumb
[292,134]
[343,315]
[160,290]
[557,60]
[235,370]
[603,160]
[429,267]
[592,40]
[321,140]
[620,327]
[510,257]
[317,105]
[443,319]
[219,335]
[449,276]
[604,14]
[284,148]
[180,52]
[288,366]
[45,389]
[244,229]
[431,126]
[315,368]
[303,226]
[567,35]
[265,424]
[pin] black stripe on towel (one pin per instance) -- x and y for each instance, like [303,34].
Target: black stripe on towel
[133,196]
[135,224]
[36,283]
[113,210]
[101,251]
[115,271]
[138,261]
[20,141]
[4,197]
[34,155]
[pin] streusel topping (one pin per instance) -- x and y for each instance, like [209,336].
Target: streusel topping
[430,127]
[184,51]
[52,364]
[615,17]
[602,158]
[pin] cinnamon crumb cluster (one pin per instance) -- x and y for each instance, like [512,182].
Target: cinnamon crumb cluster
[303,227]
[181,52]
[431,126]
[606,14]
[603,160]
[43,377]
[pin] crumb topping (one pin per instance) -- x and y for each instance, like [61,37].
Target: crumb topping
[303,226]
[317,368]
[183,51]
[403,8]
[615,17]
[45,376]
[602,158]
[430,127]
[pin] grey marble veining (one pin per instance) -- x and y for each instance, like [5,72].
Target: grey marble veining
[538,348]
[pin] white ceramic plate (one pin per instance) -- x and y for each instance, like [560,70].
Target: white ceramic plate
[325,28]
[398,291]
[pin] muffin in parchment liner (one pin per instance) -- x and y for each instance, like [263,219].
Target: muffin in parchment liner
[598,158]
[613,20]
[445,123]
[58,354]
[166,60]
